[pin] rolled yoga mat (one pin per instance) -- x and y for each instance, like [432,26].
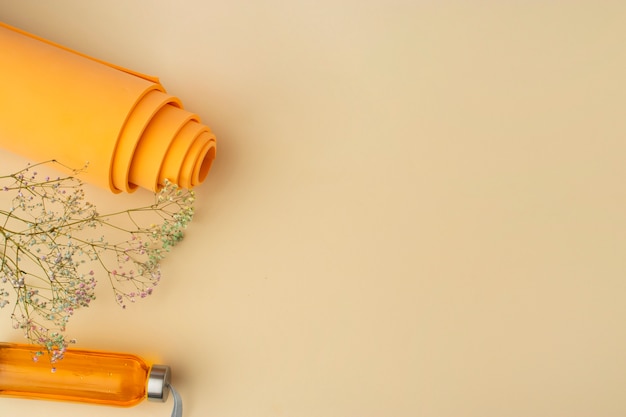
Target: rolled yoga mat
[56,103]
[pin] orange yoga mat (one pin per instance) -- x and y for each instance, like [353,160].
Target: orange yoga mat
[56,103]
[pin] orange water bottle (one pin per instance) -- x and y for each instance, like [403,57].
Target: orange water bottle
[86,376]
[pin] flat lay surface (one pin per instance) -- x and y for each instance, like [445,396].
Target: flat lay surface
[417,208]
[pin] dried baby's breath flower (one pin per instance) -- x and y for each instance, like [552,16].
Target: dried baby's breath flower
[50,261]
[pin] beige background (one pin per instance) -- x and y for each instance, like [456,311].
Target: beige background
[418,207]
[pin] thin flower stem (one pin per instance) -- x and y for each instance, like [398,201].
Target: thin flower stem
[51,259]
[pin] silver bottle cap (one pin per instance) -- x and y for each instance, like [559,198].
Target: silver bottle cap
[159,383]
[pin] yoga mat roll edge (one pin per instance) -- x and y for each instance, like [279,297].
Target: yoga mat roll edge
[56,103]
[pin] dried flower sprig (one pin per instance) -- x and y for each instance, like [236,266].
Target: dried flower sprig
[50,260]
